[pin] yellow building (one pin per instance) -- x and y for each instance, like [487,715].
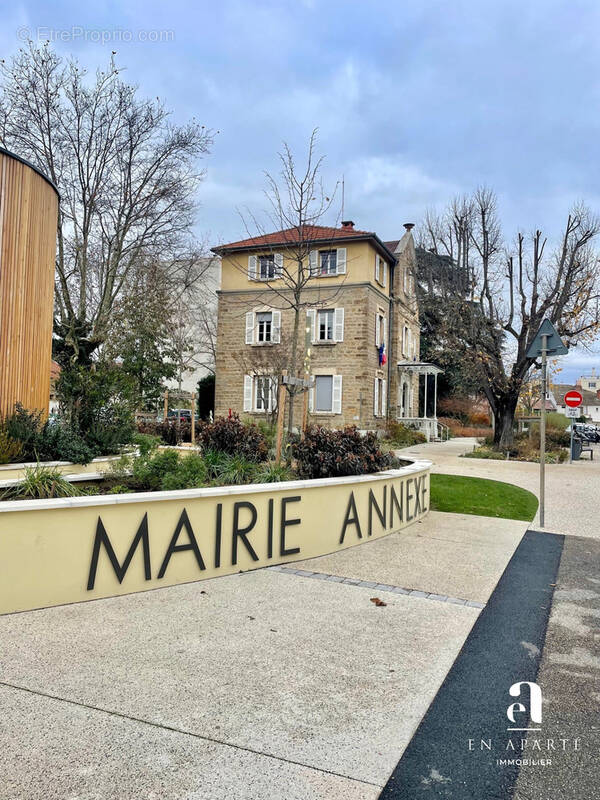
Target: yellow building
[357,331]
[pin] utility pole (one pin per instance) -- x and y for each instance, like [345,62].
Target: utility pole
[543,428]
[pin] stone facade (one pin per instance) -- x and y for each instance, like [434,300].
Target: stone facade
[364,393]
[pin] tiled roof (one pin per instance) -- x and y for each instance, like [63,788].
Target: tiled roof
[313,233]
[560,389]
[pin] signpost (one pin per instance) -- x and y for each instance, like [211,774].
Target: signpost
[573,400]
[546,342]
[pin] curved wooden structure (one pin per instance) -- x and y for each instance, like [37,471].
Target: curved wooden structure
[28,217]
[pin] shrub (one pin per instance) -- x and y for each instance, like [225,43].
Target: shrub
[190,472]
[145,443]
[53,440]
[235,469]
[10,449]
[479,419]
[402,435]
[147,473]
[325,453]
[274,473]
[232,436]
[170,432]
[41,482]
[59,442]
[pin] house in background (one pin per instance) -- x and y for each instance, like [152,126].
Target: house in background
[360,322]
[590,407]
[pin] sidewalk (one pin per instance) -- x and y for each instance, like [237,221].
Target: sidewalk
[269,684]
[571,489]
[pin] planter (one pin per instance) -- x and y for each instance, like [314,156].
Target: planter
[82,548]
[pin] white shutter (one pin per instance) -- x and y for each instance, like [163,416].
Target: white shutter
[409,349]
[383,273]
[251,268]
[385,331]
[313,263]
[376,398]
[311,400]
[383,398]
[341,261]
[338,325]
[311,314]
[274,382]
[247,392]
[336,404]
[377,267]
[250,327]
[278,265]
[377,341]
[276,327]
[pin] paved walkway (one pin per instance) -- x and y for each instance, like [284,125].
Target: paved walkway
[271,684]
[571,489]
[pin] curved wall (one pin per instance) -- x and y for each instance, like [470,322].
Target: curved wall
[28,217]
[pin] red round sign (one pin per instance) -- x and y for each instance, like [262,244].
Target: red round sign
[573,399]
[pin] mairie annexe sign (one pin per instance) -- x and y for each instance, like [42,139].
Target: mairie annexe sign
[388,508]
[79,549]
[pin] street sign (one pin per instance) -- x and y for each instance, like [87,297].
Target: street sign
[573,413]
[573,399]
[306,383]
[554,344]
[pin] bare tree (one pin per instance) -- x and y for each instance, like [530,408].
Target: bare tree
[297,203]
[513,288]
[127,178]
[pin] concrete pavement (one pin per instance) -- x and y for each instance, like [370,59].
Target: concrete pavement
[571,489]
[265,684]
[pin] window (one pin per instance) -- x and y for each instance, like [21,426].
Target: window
[324,393]
[263,327]
[380,397]
[592,385]
[328,262]
[260,393]
[406,341]
[380,270]
[265,394]
[264,322]
[325,326]
[406,281]
[326,396]
[380,329]
[266,265]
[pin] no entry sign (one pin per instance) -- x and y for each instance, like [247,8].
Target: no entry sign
[573,399]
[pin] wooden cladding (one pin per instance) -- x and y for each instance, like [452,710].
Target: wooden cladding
[28,217]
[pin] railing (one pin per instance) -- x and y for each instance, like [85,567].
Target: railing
[443,431]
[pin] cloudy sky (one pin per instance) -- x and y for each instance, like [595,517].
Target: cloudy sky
[414,102]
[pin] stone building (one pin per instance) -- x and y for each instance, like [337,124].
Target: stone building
[358,331]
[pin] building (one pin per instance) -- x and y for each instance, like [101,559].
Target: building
[590,407]
[591,383]
[359,326]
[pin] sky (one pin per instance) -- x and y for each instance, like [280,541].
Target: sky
[414,102]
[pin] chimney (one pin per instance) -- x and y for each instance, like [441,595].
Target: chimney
[347,224]
[409,225]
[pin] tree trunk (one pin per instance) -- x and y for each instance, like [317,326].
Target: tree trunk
[292,367]
[504,418]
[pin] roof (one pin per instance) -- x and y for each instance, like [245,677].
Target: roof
[560,389]
[310,233]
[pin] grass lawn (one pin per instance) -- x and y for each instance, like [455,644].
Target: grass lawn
[461,495]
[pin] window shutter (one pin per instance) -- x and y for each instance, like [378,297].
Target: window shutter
[383,273]
[274,392]
[376,398]
[385,341]
[247,392]
[377,342]
[251,268]
[383,398]
[338,325]
[313,262]
[250,327]
[336,404]
[278,265]
[311,400]
[377,267]
[276,327]
[341,261]
[311,314]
